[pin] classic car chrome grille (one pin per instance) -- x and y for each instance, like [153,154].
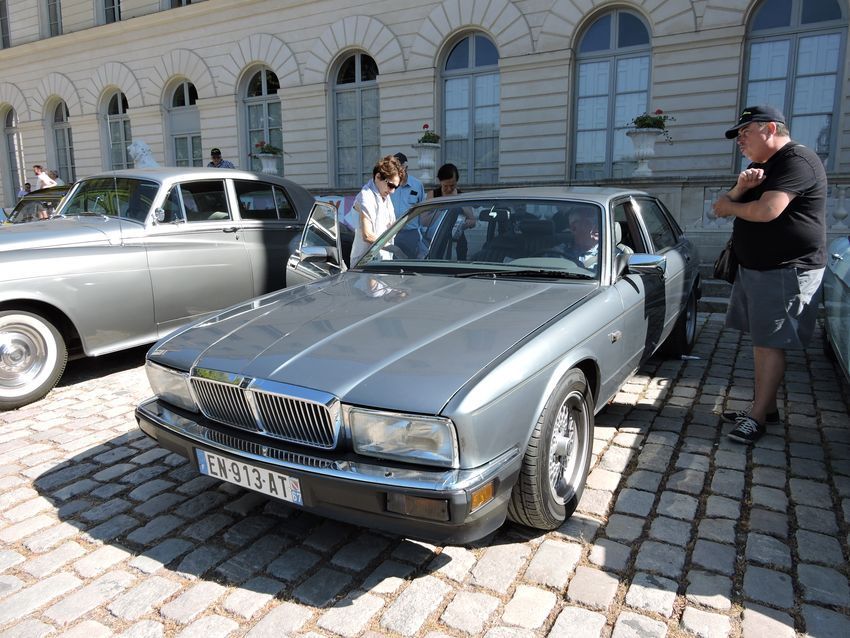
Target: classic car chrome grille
[225,403]
[256,449]
[295,420]
[276,410]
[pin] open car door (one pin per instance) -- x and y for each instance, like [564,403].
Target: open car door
[320,251]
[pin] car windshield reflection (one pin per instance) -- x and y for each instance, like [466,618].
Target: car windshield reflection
[492,237]
[112,197]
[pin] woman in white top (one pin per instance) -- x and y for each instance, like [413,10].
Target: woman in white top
[374,207]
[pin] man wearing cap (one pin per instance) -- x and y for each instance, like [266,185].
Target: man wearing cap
[779,237]
[217,162]
[409,192]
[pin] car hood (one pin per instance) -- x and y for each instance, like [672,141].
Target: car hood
[70,231]
[403,342]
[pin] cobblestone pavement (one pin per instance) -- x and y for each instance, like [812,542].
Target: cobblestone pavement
[680,532]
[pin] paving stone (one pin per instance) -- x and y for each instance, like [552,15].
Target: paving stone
[665,559]
[9,558]
[150,489]
[733,460]
[576,621]
[358,554]
[770,477]
[762,621]
[283,620]
[705,624]
[769,498]
[723,507]
[199,561]
[144,629]
[580,528]
[207,527]
[28,629]
[48,563]
[819,548]
[408,612]
[634,502]
[767,551]
[200,504]
[816,519]
[710,590]
[142,598]
[320,588]
[159,504]
[210,627]
[388,577]
[253,559]
[592,587]
[529,607]
[154,558]
[718,529]
[652,593]
[553,563]
[645,480]
[470,611]
[18,531]
[415,552]
[155,529]
[689,481]
[811,493]
[252,596]
[824,622]
[773,523]
[631,625]
[823,585]
[82,601]
[498,567]
[616,459]
[100,560]
[670,531]
[248,529]
[9,585]
[192,602]
[111,529]
[726,482]
[624,528]
[768,586]
[595,502]
[675,505]
[88,629]
[610,555]
[292,564]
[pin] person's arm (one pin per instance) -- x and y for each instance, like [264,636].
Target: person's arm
[367,223]
[764,209]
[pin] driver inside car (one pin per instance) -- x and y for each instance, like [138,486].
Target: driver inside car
[584,227]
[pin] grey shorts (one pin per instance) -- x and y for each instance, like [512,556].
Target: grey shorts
[778,308]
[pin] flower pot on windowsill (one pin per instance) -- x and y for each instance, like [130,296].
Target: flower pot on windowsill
[427,161]
[643,139]
[269,162]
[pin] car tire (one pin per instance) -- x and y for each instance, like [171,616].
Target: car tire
[33,355]
[682,339]
[557,457]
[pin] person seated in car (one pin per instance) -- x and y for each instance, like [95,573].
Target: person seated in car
[584,227]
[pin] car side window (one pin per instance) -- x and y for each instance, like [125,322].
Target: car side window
[258,200]
[657,225]
[624,217]
[205,201]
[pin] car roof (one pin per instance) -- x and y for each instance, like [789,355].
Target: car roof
[598,194]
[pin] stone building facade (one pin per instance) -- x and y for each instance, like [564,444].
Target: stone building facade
[521,91]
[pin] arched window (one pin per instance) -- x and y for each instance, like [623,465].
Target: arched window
[262,106]
[357,117]
[612,88]
[64,143]
[794,54]
[15,176]
[184,123]
[120,136]
[471,109]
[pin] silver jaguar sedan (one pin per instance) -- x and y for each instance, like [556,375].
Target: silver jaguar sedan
[130,255]
[450,378]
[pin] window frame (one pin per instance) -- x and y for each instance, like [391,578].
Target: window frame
[122,118]
[5,36]
[15,174]
[52,18]
[114,9]
[64,143]
[361,89]
[265,100]
[184,125]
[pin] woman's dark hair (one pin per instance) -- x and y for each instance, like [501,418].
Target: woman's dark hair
[447,171]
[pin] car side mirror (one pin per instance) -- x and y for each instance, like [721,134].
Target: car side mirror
[646,264]
[319,253]
[159,215]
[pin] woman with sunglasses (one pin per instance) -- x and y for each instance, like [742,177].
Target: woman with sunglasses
[373,206]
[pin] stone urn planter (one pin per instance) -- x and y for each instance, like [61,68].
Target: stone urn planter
[643,139]
[269,162]
[427,162]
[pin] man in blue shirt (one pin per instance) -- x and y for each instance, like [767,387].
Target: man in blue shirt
[409,192]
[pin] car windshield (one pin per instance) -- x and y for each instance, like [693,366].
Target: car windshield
[113,197]
[494,237]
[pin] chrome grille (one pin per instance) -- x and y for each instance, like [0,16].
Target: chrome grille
[277,410]
[225,403]
[295,420]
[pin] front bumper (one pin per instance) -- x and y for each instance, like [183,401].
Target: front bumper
[348,490]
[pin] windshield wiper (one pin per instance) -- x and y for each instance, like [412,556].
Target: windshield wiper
[528,272]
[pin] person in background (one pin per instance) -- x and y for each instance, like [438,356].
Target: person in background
[448,176]
[24,190]
[373,207]
[55,177]
[217,162]
[410,192]
[42,179]
[779,238]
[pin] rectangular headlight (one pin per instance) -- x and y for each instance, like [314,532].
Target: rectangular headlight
[171,386]
[404,437]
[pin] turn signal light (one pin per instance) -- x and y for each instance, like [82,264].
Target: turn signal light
[482,496]
[430,508]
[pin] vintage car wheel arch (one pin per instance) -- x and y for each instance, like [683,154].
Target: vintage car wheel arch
[557,457]
[33,355]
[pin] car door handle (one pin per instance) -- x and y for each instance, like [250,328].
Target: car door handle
[615,336]
[837,257]
[230,229]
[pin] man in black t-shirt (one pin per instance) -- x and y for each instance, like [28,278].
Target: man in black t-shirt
[779,238]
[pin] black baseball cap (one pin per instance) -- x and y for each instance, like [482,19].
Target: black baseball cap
[755,114]
[401,157]
[215,151]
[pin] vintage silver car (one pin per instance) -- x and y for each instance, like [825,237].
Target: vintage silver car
[450,378]
[836,301]
[131,255]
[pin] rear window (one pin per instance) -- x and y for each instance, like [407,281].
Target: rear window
[258,200]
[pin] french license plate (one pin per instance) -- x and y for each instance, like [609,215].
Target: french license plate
[250,476]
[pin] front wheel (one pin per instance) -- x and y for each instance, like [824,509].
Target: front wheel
[32,358]
[682,339]
[557,458]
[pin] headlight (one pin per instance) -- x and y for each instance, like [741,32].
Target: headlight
[404,437]
[171,386]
